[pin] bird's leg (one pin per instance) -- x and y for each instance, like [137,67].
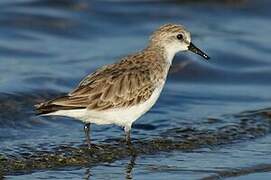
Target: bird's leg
[128,135]
[87,133]
[87,129]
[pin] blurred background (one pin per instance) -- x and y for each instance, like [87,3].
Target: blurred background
[48,46]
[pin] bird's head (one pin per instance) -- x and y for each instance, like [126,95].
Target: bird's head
[174,38]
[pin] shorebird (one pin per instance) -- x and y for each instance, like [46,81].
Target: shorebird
[122,92]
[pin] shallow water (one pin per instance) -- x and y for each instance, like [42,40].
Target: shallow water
[47,46]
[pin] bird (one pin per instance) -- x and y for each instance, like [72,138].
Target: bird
[121,92]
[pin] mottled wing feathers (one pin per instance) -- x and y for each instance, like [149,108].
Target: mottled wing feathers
[113,86]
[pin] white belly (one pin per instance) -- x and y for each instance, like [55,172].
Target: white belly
[119,116]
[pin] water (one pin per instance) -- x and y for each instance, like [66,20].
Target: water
[47,46]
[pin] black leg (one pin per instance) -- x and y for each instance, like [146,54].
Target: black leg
[87,129]
[128,135]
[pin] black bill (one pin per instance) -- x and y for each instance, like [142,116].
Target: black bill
[196,50]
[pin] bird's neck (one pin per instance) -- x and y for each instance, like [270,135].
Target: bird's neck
[165,54]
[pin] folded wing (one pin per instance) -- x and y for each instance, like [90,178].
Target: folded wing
[112,86]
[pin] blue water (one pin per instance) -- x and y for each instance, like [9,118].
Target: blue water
[47,47]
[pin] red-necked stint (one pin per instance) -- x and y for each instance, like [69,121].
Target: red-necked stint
[122,92]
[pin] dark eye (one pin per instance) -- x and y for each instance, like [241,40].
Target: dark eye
[180,36]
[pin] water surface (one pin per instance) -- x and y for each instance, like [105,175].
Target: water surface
[47,47]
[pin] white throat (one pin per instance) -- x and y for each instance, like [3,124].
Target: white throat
[170,53]
[172,49]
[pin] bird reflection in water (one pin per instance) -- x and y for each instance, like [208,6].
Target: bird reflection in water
[128,171]
[130,166]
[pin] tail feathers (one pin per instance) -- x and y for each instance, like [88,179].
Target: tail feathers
[52,106]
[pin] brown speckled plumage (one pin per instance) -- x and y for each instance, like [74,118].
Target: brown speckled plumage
[123,84]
